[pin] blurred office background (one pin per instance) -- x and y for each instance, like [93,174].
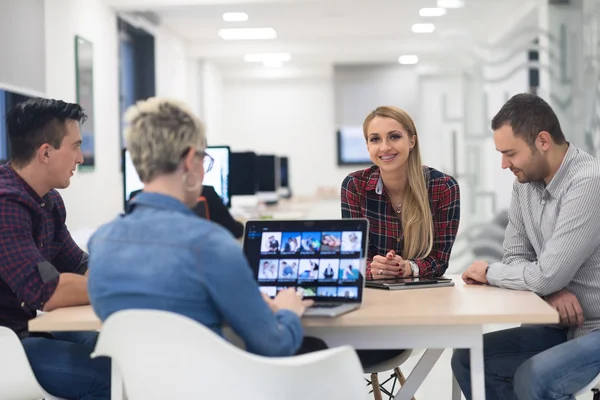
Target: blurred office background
[298,90]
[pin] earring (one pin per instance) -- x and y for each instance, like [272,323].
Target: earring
[191,188]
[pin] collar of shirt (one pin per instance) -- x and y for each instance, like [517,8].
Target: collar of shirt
[560,179]
[158,201]
[375,182]
[23,188]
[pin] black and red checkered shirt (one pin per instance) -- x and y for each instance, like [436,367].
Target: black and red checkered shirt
[35,247]
[363,196]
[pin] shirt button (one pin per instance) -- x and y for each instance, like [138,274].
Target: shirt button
[23,304]
[41,245]
[43,204]
[398,240]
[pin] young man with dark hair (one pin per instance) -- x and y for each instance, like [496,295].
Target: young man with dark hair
[41,267]
[552,248]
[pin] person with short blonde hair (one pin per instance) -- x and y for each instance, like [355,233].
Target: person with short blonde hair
[160,256]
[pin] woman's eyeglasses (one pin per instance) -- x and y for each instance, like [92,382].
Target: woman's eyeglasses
[208,160]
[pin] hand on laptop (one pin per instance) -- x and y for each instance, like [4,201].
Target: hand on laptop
[390,266]
[289,299]
[567,305]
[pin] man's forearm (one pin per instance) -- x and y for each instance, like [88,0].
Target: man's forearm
[71,291]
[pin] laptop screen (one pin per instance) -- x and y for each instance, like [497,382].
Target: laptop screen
[325,259]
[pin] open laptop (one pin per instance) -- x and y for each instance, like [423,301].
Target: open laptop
[325,259]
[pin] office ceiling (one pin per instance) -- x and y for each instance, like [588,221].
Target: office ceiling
[325,32]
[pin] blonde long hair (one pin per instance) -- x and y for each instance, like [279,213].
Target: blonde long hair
[417,221]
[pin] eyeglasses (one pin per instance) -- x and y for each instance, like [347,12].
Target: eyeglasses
[208,160]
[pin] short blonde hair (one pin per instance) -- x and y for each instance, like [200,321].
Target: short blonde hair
[158,133]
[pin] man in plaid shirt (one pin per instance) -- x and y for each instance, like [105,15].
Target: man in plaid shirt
[41,267]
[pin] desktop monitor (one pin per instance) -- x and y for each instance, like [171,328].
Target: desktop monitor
[131,179]
[351,147]
[285,190]
[243,179]
[283,170]
[267,167]
[218,176]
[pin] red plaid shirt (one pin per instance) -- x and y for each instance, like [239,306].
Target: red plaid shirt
[35,247]
[363,197]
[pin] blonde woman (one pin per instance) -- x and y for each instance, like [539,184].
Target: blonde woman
[413,210]
[160,256]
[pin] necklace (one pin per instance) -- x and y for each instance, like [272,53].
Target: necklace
[399,209]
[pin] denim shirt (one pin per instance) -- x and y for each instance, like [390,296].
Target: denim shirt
[160,256]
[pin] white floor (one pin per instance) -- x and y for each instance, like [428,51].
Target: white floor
[438,385]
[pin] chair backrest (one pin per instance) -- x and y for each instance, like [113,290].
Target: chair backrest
[17,381]
[163,355]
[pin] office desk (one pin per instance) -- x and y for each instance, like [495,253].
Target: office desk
[435,319]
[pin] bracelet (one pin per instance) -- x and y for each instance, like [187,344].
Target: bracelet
[414,267]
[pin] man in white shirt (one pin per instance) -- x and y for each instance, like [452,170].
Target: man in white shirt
[552,248]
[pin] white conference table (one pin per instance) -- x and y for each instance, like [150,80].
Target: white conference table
[434,319]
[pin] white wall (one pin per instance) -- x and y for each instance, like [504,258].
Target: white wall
[171,65]
[292,118]
[96,196]
[92,20]
[22,55]
[211,101]
[360,89]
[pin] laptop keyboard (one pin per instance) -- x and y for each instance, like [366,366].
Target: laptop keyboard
[326,305]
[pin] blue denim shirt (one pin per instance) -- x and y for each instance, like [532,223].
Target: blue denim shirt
[161,256]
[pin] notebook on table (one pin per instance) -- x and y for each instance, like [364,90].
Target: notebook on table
[324,259]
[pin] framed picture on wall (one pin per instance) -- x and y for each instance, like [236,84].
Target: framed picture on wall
[84,84]
[351,146]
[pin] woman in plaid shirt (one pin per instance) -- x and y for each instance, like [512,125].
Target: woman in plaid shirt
[413,210]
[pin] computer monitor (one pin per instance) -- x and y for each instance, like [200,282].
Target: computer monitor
[269,180]
[243,180]
[284,173]
[351,146]
[218,176]
[283,170]
[131,179]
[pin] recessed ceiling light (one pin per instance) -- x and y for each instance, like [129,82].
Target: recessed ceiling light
[262,57]
[247,34]
[432,12]
[272,63]
[235,17]
[451,3]
[408,59]
[423,28]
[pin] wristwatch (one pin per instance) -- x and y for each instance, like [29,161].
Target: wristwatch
[414,267]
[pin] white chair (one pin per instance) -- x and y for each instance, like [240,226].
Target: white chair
[17,381]
[593,386]
[162,355]
[388,365]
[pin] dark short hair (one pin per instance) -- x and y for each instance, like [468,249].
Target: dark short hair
[36,122]
[528,115]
